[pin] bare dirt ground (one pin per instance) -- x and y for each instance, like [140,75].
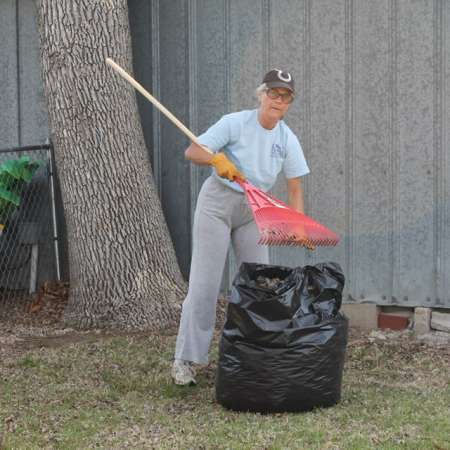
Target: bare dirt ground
[30,322]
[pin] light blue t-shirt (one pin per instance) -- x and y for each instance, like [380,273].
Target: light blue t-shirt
[259,154]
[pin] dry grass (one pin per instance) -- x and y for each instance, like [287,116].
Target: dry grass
[115,392]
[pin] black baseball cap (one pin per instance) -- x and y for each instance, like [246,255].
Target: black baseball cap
[279,78]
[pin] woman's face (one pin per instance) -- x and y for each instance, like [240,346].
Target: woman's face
[273,109]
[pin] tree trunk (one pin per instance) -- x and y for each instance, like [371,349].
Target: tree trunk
[123,269]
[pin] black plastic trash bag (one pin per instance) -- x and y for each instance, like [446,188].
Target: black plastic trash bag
[283,343]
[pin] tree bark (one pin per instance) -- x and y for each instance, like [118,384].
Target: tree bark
[123,268]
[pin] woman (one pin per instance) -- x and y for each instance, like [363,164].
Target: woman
[255,145]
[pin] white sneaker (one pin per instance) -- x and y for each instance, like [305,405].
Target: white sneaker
[183,372]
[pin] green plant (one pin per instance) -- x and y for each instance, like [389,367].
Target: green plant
[14,174]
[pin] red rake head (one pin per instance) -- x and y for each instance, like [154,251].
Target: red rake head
[280,225]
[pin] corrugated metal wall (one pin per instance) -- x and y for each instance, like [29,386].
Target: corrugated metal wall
[372,114]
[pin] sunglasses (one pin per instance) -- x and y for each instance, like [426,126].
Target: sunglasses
[286,97]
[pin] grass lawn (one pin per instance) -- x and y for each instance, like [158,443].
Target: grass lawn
[116,393]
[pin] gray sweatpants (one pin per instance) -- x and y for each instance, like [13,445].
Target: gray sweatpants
[222,215]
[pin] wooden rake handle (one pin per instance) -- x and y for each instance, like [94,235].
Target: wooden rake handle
[156,103]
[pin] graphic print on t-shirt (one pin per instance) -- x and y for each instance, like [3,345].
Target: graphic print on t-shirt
[278,151]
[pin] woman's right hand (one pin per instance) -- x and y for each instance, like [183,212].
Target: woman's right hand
[225,168]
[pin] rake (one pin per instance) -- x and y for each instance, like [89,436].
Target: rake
[278,224]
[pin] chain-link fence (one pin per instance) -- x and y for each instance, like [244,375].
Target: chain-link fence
[27,219]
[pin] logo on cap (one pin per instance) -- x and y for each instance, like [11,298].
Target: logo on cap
[286,77]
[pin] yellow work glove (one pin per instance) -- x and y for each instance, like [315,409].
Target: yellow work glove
[224,167]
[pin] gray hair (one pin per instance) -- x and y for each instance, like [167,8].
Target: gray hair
[260,89]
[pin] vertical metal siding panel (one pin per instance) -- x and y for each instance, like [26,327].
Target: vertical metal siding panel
[416,163]
[9,116]
[326,160]
[34,120]
[157,116]
[287,50]
[371,167]
[439,179]
[394,232]
[348,241]
[174,93]
[194,174]
[140,16]
[307,75]
[445,92]
[228,274]
[246,58]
